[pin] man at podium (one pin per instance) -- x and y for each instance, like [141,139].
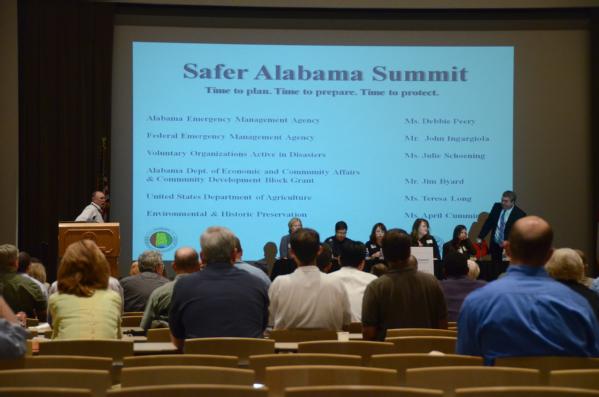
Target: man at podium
[93,212]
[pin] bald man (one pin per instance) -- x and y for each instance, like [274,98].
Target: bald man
[93,212]
[527,313]
[186,262]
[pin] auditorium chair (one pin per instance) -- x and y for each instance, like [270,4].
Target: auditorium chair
[401,362]
[365,349]
[525,391]
[181,359]
[585,378]
[279,378]
[44,392]
[360,391]
[546,364]
[72,362]
[180,374]
[159,335]
[395,332]
[450,378]
[355,328]
[240,347]
[190,391]
[423,344]
[115,349]
[259,362]
[133,314]
[131,321]
[302,335]
[94,380]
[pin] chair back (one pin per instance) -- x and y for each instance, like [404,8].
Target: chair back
[181,359]
[133,314]
[400,362]
[360,391]
[131,321]
[586,378]
[365,349]
[95,381]
[190,391]
[72,362]
[546,364]
[525,391]
[450,378]
[178,374]
[395,332]
[260,362]
[240,347]
[423,344]
[44,392]
[279,378]
[302,335]
[115,349]
[355,328]
[159,335]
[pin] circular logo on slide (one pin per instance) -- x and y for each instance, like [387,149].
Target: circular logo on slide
[161,239]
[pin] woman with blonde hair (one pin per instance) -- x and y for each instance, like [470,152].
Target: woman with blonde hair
[38,272]
[567,267]
[84,308]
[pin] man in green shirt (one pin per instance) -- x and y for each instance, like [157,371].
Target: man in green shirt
[21,294]
[159,303]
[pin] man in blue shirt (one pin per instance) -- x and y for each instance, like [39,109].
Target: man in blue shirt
[221,300]
[527,313]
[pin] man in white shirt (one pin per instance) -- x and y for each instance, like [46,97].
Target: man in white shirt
[93,212]
[307,298]
[352,276]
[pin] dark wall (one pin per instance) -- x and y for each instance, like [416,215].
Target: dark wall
[65,64]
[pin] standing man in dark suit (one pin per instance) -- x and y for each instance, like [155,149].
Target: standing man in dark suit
[503,215]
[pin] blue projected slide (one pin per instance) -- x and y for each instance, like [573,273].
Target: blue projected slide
[249,136]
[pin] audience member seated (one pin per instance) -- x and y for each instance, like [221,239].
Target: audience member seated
[587,281]
[221,300]
[404,297]
[12,334]
[379,269]
[526,312]
[253,270]
[324,259]
[308,298]
[473,270]
[137,289]
[186,262]
[113,284]
[21,293]
[294,224]
[84,307]
[24,264]
[457,284]
[337,242]
[566,266]
[459,243]
[37,270]
[270,256]
[352,276]
[134,269]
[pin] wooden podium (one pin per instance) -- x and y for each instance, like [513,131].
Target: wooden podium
[106,235]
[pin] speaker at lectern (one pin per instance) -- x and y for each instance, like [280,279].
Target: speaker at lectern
[106,235]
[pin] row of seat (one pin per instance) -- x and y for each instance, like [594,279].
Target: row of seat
[280,379]
[244,347]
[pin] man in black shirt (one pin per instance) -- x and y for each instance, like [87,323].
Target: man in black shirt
[337,242]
